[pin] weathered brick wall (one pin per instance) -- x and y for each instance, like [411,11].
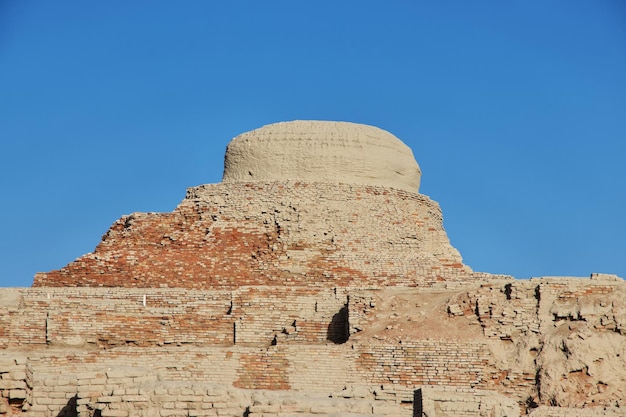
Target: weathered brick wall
[263,370]
[138,391]
[551,338]
[265,338]
[86,389]
[117,316]
[546,411]
[122,379]
[524,308]
[270,315]
[15,384]
[438,401]
[508,311]
[174,399]
[395,371]
[425,362]
[276,234]
[598,301]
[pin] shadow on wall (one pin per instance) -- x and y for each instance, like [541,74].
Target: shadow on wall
[339,327]
[70,408]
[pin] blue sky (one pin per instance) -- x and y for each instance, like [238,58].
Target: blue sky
[515,111]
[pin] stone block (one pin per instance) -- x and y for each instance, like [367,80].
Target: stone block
[190,398]
[114,413]
[96,388]
[110,399]
[136,398]
[64,388]
[38,407]
[11,384]
[43,400]
[18,394]
[96,381]
[62,380]
[166,398]
[229,412]
[18,375]
[202,413]
[6,364]
[172,413]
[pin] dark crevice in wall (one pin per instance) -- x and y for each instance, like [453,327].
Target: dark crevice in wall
[417,403]
[339,327]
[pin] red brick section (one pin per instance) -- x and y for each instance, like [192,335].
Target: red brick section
[263,370]
[231,235]
[144,250]
[600,290]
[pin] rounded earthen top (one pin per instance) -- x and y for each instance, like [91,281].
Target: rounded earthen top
[320,151]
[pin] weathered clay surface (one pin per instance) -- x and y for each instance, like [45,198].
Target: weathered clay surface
[293,297]
[319,151]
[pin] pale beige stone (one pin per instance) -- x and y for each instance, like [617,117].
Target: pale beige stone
[319,151]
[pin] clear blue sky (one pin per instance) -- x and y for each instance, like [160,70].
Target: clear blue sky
[515,111]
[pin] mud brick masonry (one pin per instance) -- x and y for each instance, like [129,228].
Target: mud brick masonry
[313,280]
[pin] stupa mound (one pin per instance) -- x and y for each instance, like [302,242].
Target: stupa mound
[322,151]
[301,203]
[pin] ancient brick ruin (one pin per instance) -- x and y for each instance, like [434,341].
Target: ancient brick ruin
[313,280]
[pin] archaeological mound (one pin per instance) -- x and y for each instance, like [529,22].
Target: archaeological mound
[301,203]
[314,280]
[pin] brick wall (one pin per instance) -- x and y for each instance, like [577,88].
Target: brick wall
[281,338]
[436,401]
[546,411]
[425,362]
[15,384]
[114,388]
[549,336]
[144,317]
